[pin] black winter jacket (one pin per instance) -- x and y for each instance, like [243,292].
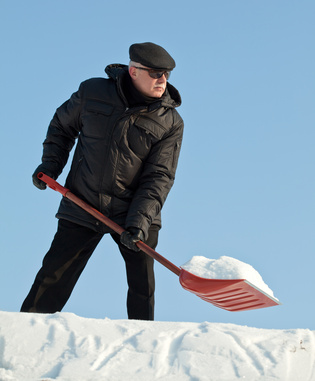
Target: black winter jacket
[125,158]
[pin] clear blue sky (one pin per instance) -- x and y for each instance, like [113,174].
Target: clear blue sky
[245,181]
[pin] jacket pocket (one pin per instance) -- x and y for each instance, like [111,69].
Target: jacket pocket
[73,174]
[150,126]
[175,155]
[98,107]
[95,118]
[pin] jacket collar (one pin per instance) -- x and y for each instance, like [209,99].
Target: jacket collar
[171,98]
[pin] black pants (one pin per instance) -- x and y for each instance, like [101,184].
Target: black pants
[62,266]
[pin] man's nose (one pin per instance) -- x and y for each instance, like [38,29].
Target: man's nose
[162,79]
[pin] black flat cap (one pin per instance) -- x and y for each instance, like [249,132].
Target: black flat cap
[151,55]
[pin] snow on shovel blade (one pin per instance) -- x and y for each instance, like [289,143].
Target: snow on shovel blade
[229,294]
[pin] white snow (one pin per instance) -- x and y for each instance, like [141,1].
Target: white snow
[66,347]
[226,268]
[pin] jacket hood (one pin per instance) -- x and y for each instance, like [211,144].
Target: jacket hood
[172,97]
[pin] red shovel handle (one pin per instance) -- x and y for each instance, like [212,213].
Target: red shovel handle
[231,294]
[52,184]
[108,222]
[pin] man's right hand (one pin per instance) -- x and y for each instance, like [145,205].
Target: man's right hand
[39,183]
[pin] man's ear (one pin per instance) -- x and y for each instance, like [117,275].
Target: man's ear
[133,72]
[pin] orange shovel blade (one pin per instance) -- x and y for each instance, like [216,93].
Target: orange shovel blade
[229,294]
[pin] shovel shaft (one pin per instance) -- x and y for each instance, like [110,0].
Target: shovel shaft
[105,220]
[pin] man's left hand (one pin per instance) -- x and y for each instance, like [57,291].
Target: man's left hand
[130,237]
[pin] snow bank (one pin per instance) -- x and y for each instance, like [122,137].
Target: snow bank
[66,347]
[226,268]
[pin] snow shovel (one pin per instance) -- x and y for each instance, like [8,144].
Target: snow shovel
[229,294]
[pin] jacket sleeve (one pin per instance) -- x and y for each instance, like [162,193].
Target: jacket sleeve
[62,133]
[156,180]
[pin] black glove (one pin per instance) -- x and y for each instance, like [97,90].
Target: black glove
[130,237]
[47,171]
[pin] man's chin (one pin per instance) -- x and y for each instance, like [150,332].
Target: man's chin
[158,93]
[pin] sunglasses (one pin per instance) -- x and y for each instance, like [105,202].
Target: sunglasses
[155,73]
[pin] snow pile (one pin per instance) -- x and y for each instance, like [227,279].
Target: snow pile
[66,347]
[226,268]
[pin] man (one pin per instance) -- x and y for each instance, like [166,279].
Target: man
[128,141]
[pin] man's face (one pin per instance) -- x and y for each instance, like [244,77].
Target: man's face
[145,84]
